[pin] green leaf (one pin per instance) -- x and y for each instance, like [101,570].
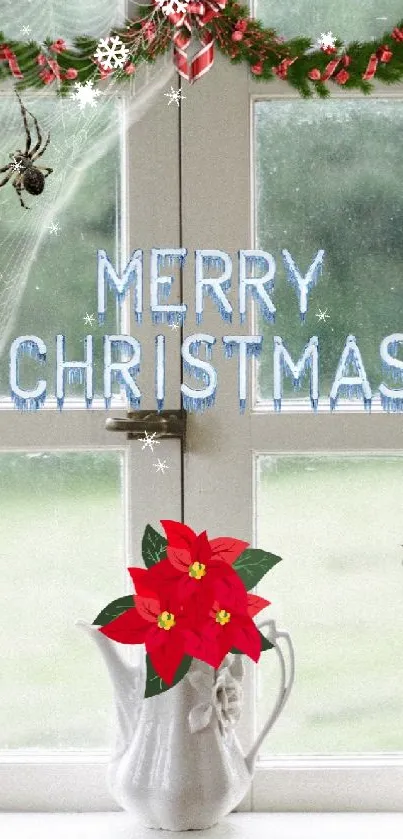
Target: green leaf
[265,645]
[114,609]
[253,564]
[154,683]
[153,546]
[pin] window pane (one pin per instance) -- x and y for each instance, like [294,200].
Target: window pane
[48,280]
[348,19]
[336,522]
[317,189]
[62,558]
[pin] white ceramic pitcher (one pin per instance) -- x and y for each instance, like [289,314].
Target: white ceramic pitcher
[178,764]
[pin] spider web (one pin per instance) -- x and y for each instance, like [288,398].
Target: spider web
[79,138]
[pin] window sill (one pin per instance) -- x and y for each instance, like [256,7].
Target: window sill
[235,826]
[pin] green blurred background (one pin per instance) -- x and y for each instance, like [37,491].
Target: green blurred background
[62,558]
[336,523]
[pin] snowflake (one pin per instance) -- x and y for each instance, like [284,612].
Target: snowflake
[169,7]
[322,315]
[326,41]
[174,96]
[149,441]
[25,30]
[174,327]
[16,165]
[89,319]
[54,228]
[111,53]
[161,466]
[85,94]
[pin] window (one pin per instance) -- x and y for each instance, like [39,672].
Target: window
[223,172]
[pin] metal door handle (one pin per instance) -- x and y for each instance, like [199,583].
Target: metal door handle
[165,424]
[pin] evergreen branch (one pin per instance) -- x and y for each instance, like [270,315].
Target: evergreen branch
[240,38]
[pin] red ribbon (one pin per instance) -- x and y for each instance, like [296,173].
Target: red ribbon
[8,55]
[329,70]
[202,61]
[282,69]
[382,54]
[397,34]
[199,14]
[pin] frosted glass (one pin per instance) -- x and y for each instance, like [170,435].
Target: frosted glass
[59,19]
[62,558]
[337,524]
[348,19]
[327,176]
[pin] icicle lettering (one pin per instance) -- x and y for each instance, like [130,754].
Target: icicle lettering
[76,371]
[248,346]
[107,277]
[162,312]
[215,287]
[257,286]
[160,371]
[199,400]
[392,400]
[283,363]
[256,272]
[353,385]
[212,279]
[303,284]
[121,370]
[27,400]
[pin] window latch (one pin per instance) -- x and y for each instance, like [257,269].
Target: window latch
[165,424]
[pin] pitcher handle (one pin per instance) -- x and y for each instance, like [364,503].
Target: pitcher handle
[284,690]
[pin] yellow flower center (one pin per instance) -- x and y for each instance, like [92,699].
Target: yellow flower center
[223,617]
[197,570]
[166,620]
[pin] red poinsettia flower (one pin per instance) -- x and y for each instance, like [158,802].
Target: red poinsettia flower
[181,536]
[195,562]
[155,621]
[228,624]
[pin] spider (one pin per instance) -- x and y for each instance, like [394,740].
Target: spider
[27,175]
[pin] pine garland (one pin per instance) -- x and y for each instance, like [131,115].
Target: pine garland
[241,39]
